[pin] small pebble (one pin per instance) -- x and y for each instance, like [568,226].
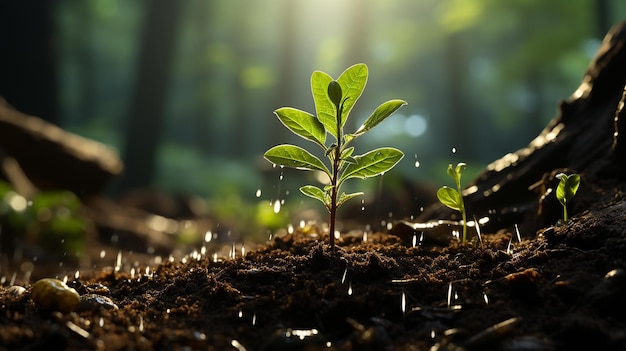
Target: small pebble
[92,302]
[15,290]
[53,295]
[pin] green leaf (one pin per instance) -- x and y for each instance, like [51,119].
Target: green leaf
[294,157]
[345,197]
[303,124]
[352,81]
[460,167]
[383,111]
[372,163]
[347,152]
[567,188]
[449,197]
[316,193]
[334,93]
[324,107]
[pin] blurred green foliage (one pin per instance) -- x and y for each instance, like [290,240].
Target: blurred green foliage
[51,220]
[481,76]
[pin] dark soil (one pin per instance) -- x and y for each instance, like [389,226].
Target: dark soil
[562,289]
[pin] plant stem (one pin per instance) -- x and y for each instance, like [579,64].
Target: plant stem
[564,213]
[335,191]
[463,214]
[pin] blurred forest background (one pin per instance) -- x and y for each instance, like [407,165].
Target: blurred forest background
[185,90]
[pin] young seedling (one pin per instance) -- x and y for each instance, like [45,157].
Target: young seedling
[334,100]
[565,191]
[453,198]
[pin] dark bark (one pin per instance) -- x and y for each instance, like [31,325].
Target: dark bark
[28,57]
[584,138]
[147,108]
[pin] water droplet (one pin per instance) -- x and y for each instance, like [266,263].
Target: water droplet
[243,249]
[118,261]
[254,319]
[240,313]
[414,240]
[258,193]
[432,334]
[454,150]
[417,164]
[208,236]
[290,229]
[486,298]
[76,275]
[449,294]
[403,303]
[276,206]
[508,247]
[102,254]
[343,278]
[364,237]
[519,237]
[350,288]
[281,176]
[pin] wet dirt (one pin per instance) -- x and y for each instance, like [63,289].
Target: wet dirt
[561,288]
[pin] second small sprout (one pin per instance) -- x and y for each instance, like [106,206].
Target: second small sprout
[565,191]
[453,198]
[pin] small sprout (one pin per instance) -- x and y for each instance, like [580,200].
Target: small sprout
[565,191]
[453,198]
[334,100]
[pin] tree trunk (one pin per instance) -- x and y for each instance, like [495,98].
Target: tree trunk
[28,60]
[585,137]
[147,108]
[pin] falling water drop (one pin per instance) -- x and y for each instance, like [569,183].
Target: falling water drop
[281,176]
[258,193]
[118,261]
[343,278]
[240,313]
[449,294]
[417,164]
[243,249]
[414,239]
[254,319]
[519,237]
[432,334]
[276,206]
[101,322]
[350,288]
[403,303]
[290,229]
[486,298]
[508,247]
[454,150]
[102,254]
[364,236]
[362,205]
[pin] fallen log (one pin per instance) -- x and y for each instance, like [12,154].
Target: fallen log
[52,158]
